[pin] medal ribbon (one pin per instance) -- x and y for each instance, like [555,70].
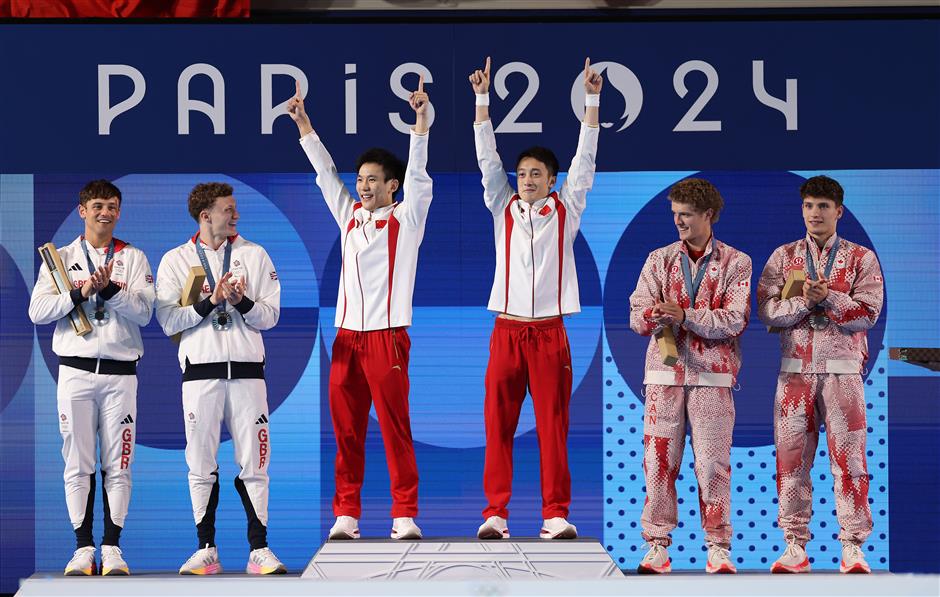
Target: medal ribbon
[691,287]
[205,265]
[811,265]
[99,301]
[811,269]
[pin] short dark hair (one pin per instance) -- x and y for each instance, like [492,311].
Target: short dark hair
[822,187]
[392,167]
[542,154]
[204,195]
[98,189]
[700,194]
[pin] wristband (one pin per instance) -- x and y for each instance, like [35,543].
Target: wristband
[592,100]
[483,99]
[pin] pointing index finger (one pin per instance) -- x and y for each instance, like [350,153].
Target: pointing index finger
[420,83]
[297,82]
[486,68]
[587,67]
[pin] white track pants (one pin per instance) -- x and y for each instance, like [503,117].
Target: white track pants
[243,405]
[97,411]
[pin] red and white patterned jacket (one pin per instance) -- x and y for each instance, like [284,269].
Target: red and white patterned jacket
[856,294]
[707,341]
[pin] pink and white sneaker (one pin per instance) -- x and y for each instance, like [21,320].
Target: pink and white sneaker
[205,561]
[263,561]
[793,560]
[656,561]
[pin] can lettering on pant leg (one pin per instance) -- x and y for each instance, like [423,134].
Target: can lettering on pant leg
[651,411]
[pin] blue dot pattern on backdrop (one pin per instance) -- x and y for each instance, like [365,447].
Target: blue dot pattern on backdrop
[757,545]
[751,501]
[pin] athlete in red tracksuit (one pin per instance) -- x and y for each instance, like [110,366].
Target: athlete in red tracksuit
[380,240]
[824,348]
[534,285]
[700,288]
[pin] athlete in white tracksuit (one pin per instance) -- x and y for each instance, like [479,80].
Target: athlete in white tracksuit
[535,284]
[380,239]
[221,354]
[97,386]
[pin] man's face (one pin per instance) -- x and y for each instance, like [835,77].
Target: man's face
[374,191]
[100,215]
[222,217]
[533,181]
[694,226]
[821,216]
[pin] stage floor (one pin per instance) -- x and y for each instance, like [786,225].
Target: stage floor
[676,584]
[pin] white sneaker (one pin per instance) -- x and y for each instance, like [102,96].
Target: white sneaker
[405,528]
[82,562]
[494,528]
[719,561]
[263,561]
[853,559]
[558,528]
[345,527]
[204,561]
[793,561]
[112,564]
[656,561]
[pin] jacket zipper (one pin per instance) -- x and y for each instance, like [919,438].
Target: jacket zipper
[532,252]
[362,297]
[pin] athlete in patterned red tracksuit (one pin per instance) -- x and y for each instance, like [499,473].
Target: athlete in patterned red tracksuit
[698,387]
[824,348]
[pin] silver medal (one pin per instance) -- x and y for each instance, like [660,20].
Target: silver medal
[221,321]
[100,317]
[819,320]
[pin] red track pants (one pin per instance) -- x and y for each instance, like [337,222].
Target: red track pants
[372,366]
[533,355]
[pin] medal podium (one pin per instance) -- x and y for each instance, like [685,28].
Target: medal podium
[462,559]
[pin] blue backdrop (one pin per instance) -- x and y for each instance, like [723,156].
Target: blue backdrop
[854,99]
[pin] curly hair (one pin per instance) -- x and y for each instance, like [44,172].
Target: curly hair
[98,189]
[822,187]
[204,195]
[700,194]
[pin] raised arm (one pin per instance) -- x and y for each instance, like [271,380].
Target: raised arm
[581,172]
[496,189]
[334,192]
[417,186]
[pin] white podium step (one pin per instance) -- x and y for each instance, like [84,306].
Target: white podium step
[461,559]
